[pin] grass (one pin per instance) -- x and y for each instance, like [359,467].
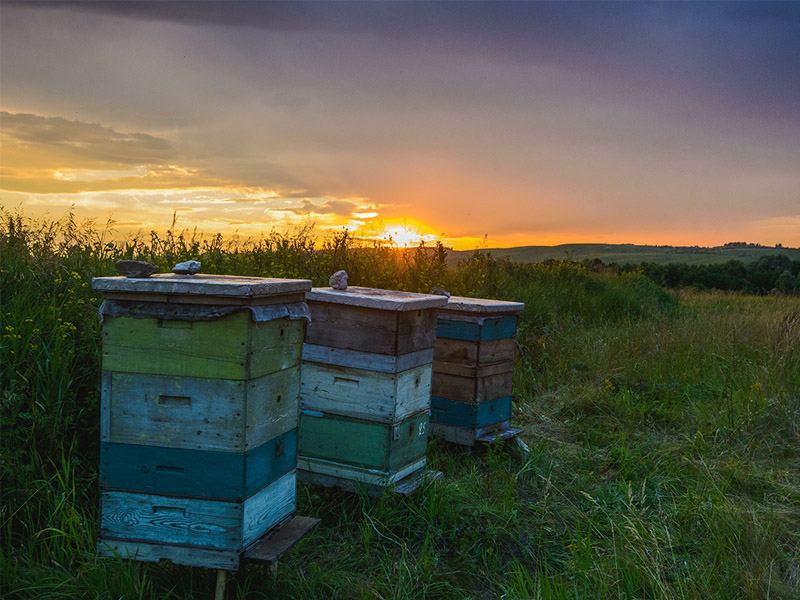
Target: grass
[664,435]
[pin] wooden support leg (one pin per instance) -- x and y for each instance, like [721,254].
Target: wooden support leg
[273,568]
[222,575]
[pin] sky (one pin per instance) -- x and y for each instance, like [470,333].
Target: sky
[481,124]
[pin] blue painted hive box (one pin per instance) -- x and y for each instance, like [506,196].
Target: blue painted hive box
[199,411]
[473,367]
[365,387]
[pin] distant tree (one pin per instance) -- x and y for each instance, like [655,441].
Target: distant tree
[787,283]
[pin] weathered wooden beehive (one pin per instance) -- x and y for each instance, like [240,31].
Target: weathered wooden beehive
[365,387]
[199,411]
[472,370]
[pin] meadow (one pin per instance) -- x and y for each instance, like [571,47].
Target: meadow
[663,430]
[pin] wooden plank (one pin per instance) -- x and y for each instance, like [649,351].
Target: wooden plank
[272,547]
[471,389]
[196,473]
[468,436]
[404,486]
[270,461]
[462,352]
[275,345]
[413,392]
[105,406]
[474,371]
[344,440]
[365,394]
[177,412]
[268,507]
[481,306]
[214,349]
[387,300]
[272,406]
[462,414]
[409,441]
[172,471]
[328,473]
[206,299]
[416,330]
[384,363]
[202,285]
[359,329]
[192,556]
[170,520]
[485,329]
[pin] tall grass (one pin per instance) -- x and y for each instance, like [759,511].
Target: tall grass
[663,430]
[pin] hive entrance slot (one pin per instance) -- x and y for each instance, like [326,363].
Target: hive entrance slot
[165,400]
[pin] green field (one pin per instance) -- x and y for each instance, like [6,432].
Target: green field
[632,254]
[663,428]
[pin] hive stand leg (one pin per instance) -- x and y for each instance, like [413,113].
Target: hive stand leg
[273,568]
[222,575]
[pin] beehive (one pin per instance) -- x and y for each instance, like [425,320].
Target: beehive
[199,410]
[472,370]
[365,386]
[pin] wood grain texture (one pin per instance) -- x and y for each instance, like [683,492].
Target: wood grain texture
[272,406]
[389,300]
[482,306]
[172,471]
[474,353]
[481,329]
[214,349]
[196,473]
[371,330]
[200,413]
[385,448]
[470,437]
[170,520]
[471,389]
[474,371]
[462,414]
[268,507]
[192,556]
[177,412]
[384,363]
[202,285]
[270,461]
[231,347]
[328,473]
[275,345]
[272,547]
[365,394]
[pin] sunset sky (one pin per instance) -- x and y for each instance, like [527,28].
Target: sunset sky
[491,124]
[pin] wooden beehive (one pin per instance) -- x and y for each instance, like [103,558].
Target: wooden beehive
[472,370]
[365,387]
[199,411]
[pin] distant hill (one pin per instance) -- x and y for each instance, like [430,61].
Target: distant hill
[633,254]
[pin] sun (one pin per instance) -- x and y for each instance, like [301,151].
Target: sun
[405,235]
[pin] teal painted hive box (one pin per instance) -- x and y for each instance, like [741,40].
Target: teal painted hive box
[365,387]
[473,367]
[199,414]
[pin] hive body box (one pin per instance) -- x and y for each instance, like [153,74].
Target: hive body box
[365,387]
[472,370]
[199,410]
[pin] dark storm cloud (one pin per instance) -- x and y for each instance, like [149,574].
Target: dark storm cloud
[738,55]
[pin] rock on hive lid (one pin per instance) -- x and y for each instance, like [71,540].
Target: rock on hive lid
[483,306]
[375,298]
[202,285]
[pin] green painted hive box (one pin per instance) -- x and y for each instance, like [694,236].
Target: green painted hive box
[199,414]
[472,370]
[365,386]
